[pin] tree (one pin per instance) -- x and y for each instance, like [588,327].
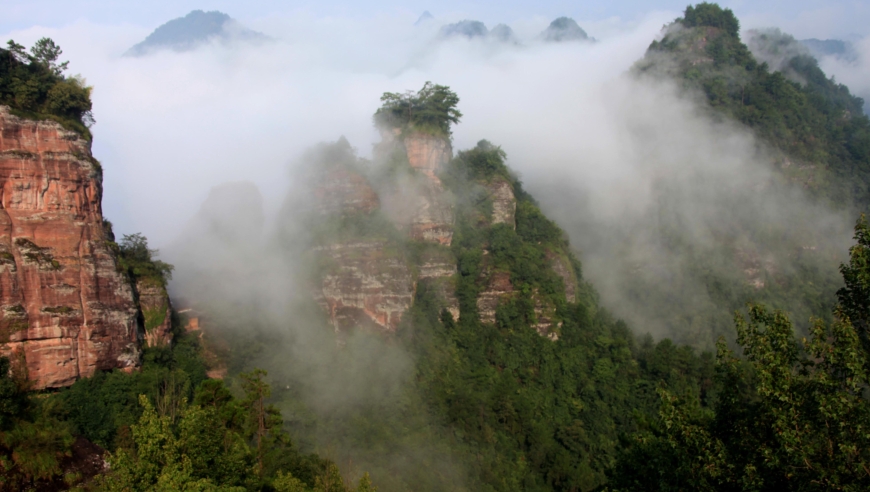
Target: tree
[264,420]
[18,51]
[46,53]
[191,457]
[790,415]
[138,259]
[712,15]
[432,109]
[855,296]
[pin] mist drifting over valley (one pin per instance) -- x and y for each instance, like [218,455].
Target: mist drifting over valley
[209,153]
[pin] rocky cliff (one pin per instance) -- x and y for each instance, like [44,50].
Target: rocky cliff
[383,235]
[67,310]
[432,220]
[363,280]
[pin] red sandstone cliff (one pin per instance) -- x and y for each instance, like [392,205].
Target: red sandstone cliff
[66,309]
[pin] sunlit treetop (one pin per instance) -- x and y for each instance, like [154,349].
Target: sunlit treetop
[430,110]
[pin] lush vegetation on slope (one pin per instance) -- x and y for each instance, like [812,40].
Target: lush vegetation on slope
[33,86]
[818,123]
[167,425]
[789,415]
[535,414]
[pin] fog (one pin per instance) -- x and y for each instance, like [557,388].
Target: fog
[854,73]
[205,152]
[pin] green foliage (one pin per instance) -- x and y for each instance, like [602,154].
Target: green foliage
[818,123]
[33,85]
[855,296]
[138,260]
[483,163]
[13,398]
[711,15]
[33,440]
[530,413]
[430,110]
[182,457]
[791,415]
[102,408]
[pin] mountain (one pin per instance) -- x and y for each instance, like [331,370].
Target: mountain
[419,315]
[503,33]
[193,30]
[424,18]
[466,28]
[833,136]
[830,47]
[564,29]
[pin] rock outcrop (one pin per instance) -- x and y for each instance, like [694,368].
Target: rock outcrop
[342,190]
[504,203]
[67,309]
[563,268]
[156,312]
[432,220]
[364,285]
[362,282]
[498,289]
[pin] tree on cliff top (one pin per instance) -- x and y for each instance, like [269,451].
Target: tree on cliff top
[431,110]
[33,86]
[138,260]
[711,15]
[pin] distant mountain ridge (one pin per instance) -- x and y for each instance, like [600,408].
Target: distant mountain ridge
[193,30]
[563,29]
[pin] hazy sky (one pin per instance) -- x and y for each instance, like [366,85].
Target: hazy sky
[804,18]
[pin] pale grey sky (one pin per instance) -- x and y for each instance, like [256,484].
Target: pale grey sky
[804,18]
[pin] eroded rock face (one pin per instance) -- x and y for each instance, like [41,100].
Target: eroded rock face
[437,269]
[498,288]
[563,268]
[156,313]
[344,191]
[67,310]
[504,203]
[432,220]
[364,285]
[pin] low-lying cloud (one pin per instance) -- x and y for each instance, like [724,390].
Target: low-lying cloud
[628,167]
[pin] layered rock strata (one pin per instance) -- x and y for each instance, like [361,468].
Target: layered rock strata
[67,310]
[342,190]
[504,203]
[363,282]
[156,312]
[364,285]
[498,289]
[432,220]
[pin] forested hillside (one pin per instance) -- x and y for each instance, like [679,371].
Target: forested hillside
[816,124]
[417,322]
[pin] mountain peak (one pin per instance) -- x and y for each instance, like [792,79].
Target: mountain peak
[424,18]
[194,29]
[564,29]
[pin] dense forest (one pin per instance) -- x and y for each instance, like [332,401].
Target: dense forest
[476,404]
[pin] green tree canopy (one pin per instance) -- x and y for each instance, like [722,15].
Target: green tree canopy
[33,86]
[432,109]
